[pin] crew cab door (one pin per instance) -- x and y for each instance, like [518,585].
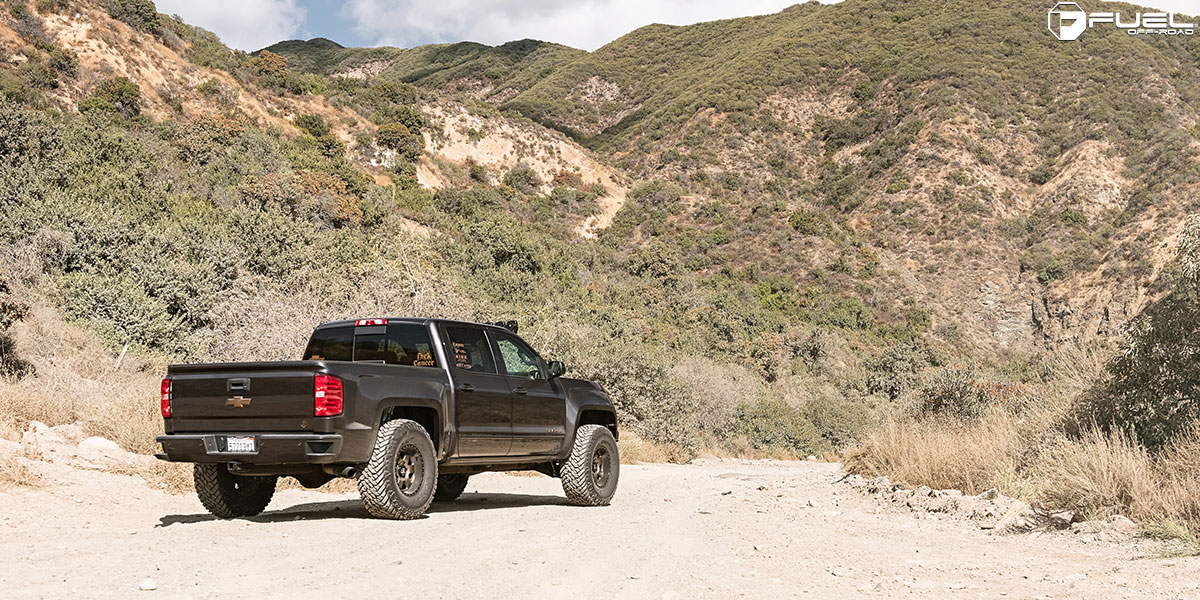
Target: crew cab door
[482,399]
[539,403]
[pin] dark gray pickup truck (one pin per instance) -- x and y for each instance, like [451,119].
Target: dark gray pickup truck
[409,407]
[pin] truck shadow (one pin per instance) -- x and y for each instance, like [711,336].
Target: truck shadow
[353,509]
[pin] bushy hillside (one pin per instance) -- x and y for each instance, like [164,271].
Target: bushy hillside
[477,70]
[948,156]
[210,233]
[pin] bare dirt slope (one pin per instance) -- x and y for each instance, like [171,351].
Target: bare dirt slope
[712,529]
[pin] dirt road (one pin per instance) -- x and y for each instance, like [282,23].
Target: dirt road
[712,529]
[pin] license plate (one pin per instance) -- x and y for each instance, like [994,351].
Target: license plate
[239,444]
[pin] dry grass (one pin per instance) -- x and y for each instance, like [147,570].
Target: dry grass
[76,379]
[635,450]
[1179,538]
[173,478]
[1097,474]
[941,452]
[1105,474]
[742,448]
[16,472]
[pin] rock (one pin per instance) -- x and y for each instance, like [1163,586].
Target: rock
[922,490]
[98,446]
[1122,522]
[148,585]
[837,572]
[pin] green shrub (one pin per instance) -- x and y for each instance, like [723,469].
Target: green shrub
[1073,216]
[524,179]
[806,221]
[897,369]
[64,61]
[657,260]
[116,95]
[897,186]
[773,423]
[399,138]
[499,242]
[139,14]
[410,118]
[314,124]
[38,75]
[841,419]
[962,392]
[1041,174]
[52,6]
[863,91]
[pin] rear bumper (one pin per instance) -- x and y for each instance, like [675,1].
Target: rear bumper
[272,448]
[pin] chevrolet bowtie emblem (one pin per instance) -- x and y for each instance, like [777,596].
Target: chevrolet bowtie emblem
[238,402]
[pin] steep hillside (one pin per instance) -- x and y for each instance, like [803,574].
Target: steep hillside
[1010,183]
[950,156]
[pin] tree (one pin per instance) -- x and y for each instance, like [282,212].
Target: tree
[1153,386]
[139,14]
[397,137]
[269,64]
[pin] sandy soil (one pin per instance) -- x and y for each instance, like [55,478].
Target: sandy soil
[712,529]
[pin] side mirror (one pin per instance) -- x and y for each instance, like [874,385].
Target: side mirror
[557,368]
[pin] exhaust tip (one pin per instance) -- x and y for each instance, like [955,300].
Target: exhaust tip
[347,471]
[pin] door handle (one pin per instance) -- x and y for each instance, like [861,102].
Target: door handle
[466,387]
[522,391]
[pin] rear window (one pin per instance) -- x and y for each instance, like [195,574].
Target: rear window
[396,344]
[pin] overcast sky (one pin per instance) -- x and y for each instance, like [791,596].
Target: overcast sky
[588,24]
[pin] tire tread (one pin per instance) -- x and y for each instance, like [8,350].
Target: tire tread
[577,471]
[375,485]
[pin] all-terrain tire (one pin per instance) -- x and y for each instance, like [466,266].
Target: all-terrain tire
[228,496]
[401,475]
[450,487]
[589,477]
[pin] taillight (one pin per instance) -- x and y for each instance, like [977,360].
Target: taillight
[366,322]
[327,395]
[166,398]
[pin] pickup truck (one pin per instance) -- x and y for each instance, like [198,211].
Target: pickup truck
[409,407]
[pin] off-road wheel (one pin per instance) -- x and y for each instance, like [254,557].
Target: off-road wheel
[401,475]
[227,496]
[450,487]
[589,477]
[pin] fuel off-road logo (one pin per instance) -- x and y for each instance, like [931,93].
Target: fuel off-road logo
[1067,21]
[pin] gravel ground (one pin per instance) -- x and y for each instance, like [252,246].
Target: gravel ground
[711,529]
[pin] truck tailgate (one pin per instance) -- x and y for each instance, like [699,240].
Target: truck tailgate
[274,396]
